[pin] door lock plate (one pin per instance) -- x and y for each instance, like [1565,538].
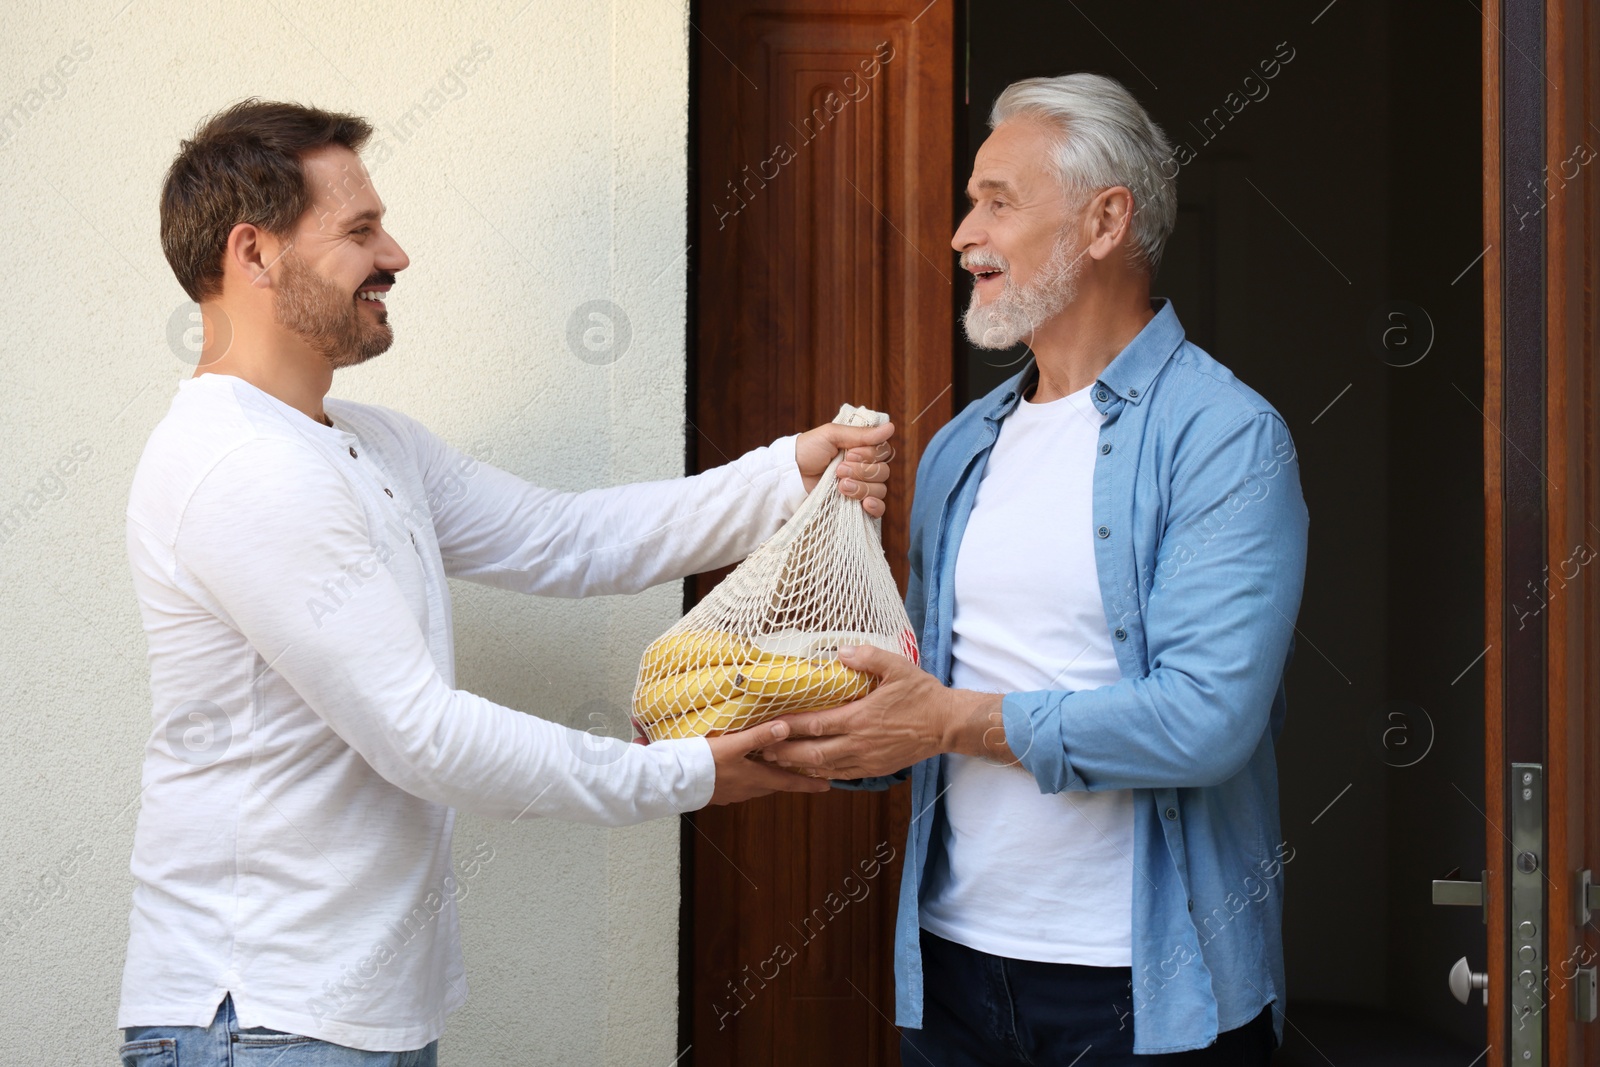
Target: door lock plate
[1525,988]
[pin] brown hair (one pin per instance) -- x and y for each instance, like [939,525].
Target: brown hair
[242,165]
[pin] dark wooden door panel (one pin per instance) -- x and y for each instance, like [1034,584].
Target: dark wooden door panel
[824,209]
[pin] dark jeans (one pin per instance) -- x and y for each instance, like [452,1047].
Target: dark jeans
[991,1011]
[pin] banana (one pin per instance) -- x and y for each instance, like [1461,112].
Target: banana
[676,694]
[674,653]
[713,719]
[706,682]
[787,683]
[755,693]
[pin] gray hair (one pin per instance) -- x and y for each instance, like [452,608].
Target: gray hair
[1104,138]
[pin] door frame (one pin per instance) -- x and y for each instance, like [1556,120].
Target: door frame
[1540,495]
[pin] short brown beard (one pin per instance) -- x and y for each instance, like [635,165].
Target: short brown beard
[325,317]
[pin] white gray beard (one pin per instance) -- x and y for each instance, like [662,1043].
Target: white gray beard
[1018,312]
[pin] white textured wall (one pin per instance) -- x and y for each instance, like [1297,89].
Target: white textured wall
[551,175]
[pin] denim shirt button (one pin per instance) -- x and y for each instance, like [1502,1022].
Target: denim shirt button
[1172,813]
[1133,393]
[1191,905]
[1101,395]
[1104,531]
[1122,635]
[1105,449]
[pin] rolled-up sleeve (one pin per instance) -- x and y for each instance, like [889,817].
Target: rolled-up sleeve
[1218,624]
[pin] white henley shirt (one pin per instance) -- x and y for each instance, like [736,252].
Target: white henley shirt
[309,743]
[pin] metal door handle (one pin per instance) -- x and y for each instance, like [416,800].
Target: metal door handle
[1453,891]
[1463,980]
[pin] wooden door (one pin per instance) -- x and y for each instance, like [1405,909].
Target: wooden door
[824,203]
[1542,489]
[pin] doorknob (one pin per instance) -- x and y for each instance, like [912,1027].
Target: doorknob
[1463,980]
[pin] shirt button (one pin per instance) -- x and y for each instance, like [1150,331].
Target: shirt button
[1133,392]
[1105,449]
[1101,395]
[1172,813]
[1104,531]
[352,451]
[386,490]
[1191,905]
[1122,635]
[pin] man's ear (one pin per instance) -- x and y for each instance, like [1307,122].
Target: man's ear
[1110,219]
[253,251]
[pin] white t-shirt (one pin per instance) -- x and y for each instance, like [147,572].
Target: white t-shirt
[1031,875]
[309,743]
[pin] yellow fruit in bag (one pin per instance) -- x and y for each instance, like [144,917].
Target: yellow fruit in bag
[674,694]
[766,640]
[709,721]
[708,701]
[675,652]
[792,684]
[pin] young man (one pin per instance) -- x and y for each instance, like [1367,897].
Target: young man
[290,553]
[1107,556]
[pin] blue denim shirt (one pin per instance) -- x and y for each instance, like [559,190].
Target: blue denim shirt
[1201,552]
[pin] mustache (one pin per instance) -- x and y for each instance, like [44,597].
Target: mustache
[382,277]
[983,259]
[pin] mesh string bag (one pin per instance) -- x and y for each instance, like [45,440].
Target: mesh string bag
[765,641]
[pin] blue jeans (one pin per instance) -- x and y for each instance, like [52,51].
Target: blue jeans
[223,1044]
[980,1010]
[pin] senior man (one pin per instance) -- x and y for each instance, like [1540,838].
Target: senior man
[295,901]
[1107,556]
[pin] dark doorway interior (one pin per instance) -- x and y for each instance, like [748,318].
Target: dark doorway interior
[1325,251]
